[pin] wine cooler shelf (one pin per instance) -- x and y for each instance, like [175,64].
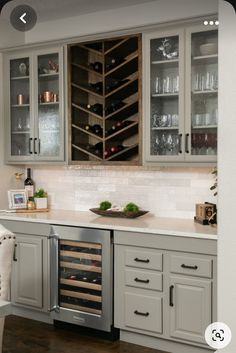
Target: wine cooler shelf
[80,276]
[105,101]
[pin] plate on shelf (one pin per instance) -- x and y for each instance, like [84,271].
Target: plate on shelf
[118,214]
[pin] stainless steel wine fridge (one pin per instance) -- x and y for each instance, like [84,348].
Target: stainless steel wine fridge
[81,276]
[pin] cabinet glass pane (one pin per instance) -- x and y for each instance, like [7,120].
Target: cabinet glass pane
[20,106]
[48,105]
[204,108]
[80,286]
[164,81]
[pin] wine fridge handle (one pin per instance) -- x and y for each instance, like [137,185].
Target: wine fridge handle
[53,273]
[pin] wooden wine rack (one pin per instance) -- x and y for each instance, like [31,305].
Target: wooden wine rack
[122,146]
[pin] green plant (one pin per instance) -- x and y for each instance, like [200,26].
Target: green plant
[131,207]
[214,186]
[40,193]
[104,205]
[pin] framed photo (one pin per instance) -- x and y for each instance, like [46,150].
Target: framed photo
[17,199]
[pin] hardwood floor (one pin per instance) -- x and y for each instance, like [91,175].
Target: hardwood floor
[28,336]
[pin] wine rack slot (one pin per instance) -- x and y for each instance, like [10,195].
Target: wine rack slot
[105,101]
[80,255]
[81,308]
[80,267]
[93,298]
[81,284]
[81,244]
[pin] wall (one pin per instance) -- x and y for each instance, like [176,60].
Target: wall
[6,173]
[167,192]
[159,11]
[227,172]
[10,37]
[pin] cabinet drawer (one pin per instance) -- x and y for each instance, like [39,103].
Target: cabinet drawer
[191,265]
[143,312]
[143,279]
[144,259]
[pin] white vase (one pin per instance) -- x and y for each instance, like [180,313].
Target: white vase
[41,202]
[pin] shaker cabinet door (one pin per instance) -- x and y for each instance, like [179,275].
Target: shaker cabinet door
[190,308]
[27,274]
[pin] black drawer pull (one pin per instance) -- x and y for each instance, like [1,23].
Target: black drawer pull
[171,296]
[141,280]
[136,312]
[14,254]
[141,260]
[189,267]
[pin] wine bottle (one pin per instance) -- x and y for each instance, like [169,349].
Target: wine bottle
[96,149]
[96,66]
[113,150]
[97,129]
[96,108]
[115,83]
[29,184]
[114,105]
[113,62]
[98,86]
[118,126]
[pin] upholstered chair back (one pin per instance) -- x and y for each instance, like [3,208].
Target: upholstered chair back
[7,243]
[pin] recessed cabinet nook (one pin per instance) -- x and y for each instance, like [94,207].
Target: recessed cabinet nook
[147,98]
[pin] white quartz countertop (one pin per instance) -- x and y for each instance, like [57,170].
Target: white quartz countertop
[145,224]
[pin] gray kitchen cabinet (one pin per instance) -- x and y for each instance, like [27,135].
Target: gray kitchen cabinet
[165,288]
[190,308]
[180,94]
[30,272]
[34,117]
[27,272]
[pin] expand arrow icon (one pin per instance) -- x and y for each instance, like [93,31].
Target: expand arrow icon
[22,18]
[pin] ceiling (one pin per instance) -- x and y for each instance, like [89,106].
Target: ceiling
[54,9]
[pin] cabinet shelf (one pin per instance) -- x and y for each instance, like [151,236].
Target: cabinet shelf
[165,62]
[91,50]
[80,267]
[120,110]
[20,105]
[133,123]
[166,128]
[83,149]
[205,92]
[71,282]
[86,89]
[204,127]
[87,132]
[131,79]
[127,60]
[206,57]
[85,296]
[165,95]
[49,103]
[52,75]
[86,111]
[83,67]
[127,149]
[20,132]
[20,78]
[81,308]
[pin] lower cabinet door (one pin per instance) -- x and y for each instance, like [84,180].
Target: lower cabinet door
[143,312]
[27,273]
[190,308]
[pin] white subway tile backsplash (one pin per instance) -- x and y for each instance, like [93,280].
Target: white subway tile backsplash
[169,192]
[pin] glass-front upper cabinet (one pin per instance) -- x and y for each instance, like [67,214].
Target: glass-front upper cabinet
[180,93]
[19,105]
[202,94]
[164,92]
[34,112]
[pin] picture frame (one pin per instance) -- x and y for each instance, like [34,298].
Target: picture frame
[17,199]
